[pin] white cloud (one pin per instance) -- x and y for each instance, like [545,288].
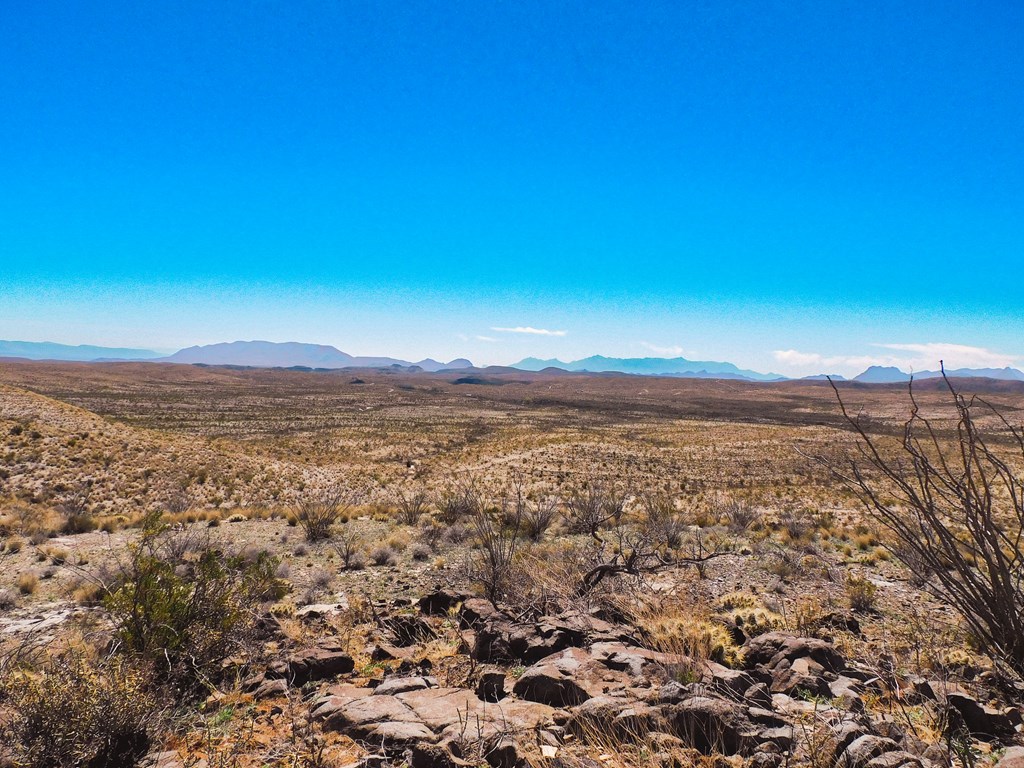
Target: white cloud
[954,355]
[808,363]
[485,338]
[796,358]
[675,351]
[914,357]
[530,330]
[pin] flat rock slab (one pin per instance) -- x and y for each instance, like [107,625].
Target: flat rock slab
[1012,758]
[398,685]
[568,678]
[425,715]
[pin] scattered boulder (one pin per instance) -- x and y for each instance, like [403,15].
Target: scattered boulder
[407,629]
[424,716]
[440,602]
[321,610]
[771,648]
[712,725]
[317,663]
[270,688]
[581,681]
[863,749]
[731,682]
[490,684]
[397,685]
[556,680]
[982,721]
[636,661]
[802,676]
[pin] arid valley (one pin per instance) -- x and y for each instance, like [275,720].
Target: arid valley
[484,567]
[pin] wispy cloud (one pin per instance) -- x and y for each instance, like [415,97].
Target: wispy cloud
[914,357]
[813,362]
[485,338]
[955,355]
[675,351]
[530,330]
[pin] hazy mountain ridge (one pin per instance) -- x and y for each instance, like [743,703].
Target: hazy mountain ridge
[293,354]
[879,374]
[289,354]
[48,350]
[649,366]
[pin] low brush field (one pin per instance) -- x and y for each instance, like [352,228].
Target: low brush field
[207,566]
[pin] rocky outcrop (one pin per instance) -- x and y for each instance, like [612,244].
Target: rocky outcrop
[586,680]
[321,662]
[453,719]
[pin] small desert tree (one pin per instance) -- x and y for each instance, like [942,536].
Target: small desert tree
[316,514]
[593,506]
[492,565]
[411,504]
[954,502]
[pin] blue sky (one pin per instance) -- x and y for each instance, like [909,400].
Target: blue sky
[791,186]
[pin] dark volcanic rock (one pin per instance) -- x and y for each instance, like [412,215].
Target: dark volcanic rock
[769,649]
[317,663]
[982,721]
[712,725]
[555,680]
[490,685]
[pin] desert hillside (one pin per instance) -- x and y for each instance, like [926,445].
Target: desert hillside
[297,568]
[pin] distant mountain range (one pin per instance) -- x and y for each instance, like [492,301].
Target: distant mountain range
[257,354]
[879,374]
[650,366]
[291,354]
[47,350]
[269,354]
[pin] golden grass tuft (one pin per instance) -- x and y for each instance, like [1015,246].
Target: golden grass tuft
[27,582]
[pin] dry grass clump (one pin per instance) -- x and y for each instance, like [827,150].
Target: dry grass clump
[36,522]
[8,600]
[88,593]
[56,555]
[75,711]
[398,541]
[14,544]
[383,555]
[27,582]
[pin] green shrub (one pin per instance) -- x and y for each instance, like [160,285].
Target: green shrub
[860,593]
[185,605]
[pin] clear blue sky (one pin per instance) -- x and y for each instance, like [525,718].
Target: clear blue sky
[785,185]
